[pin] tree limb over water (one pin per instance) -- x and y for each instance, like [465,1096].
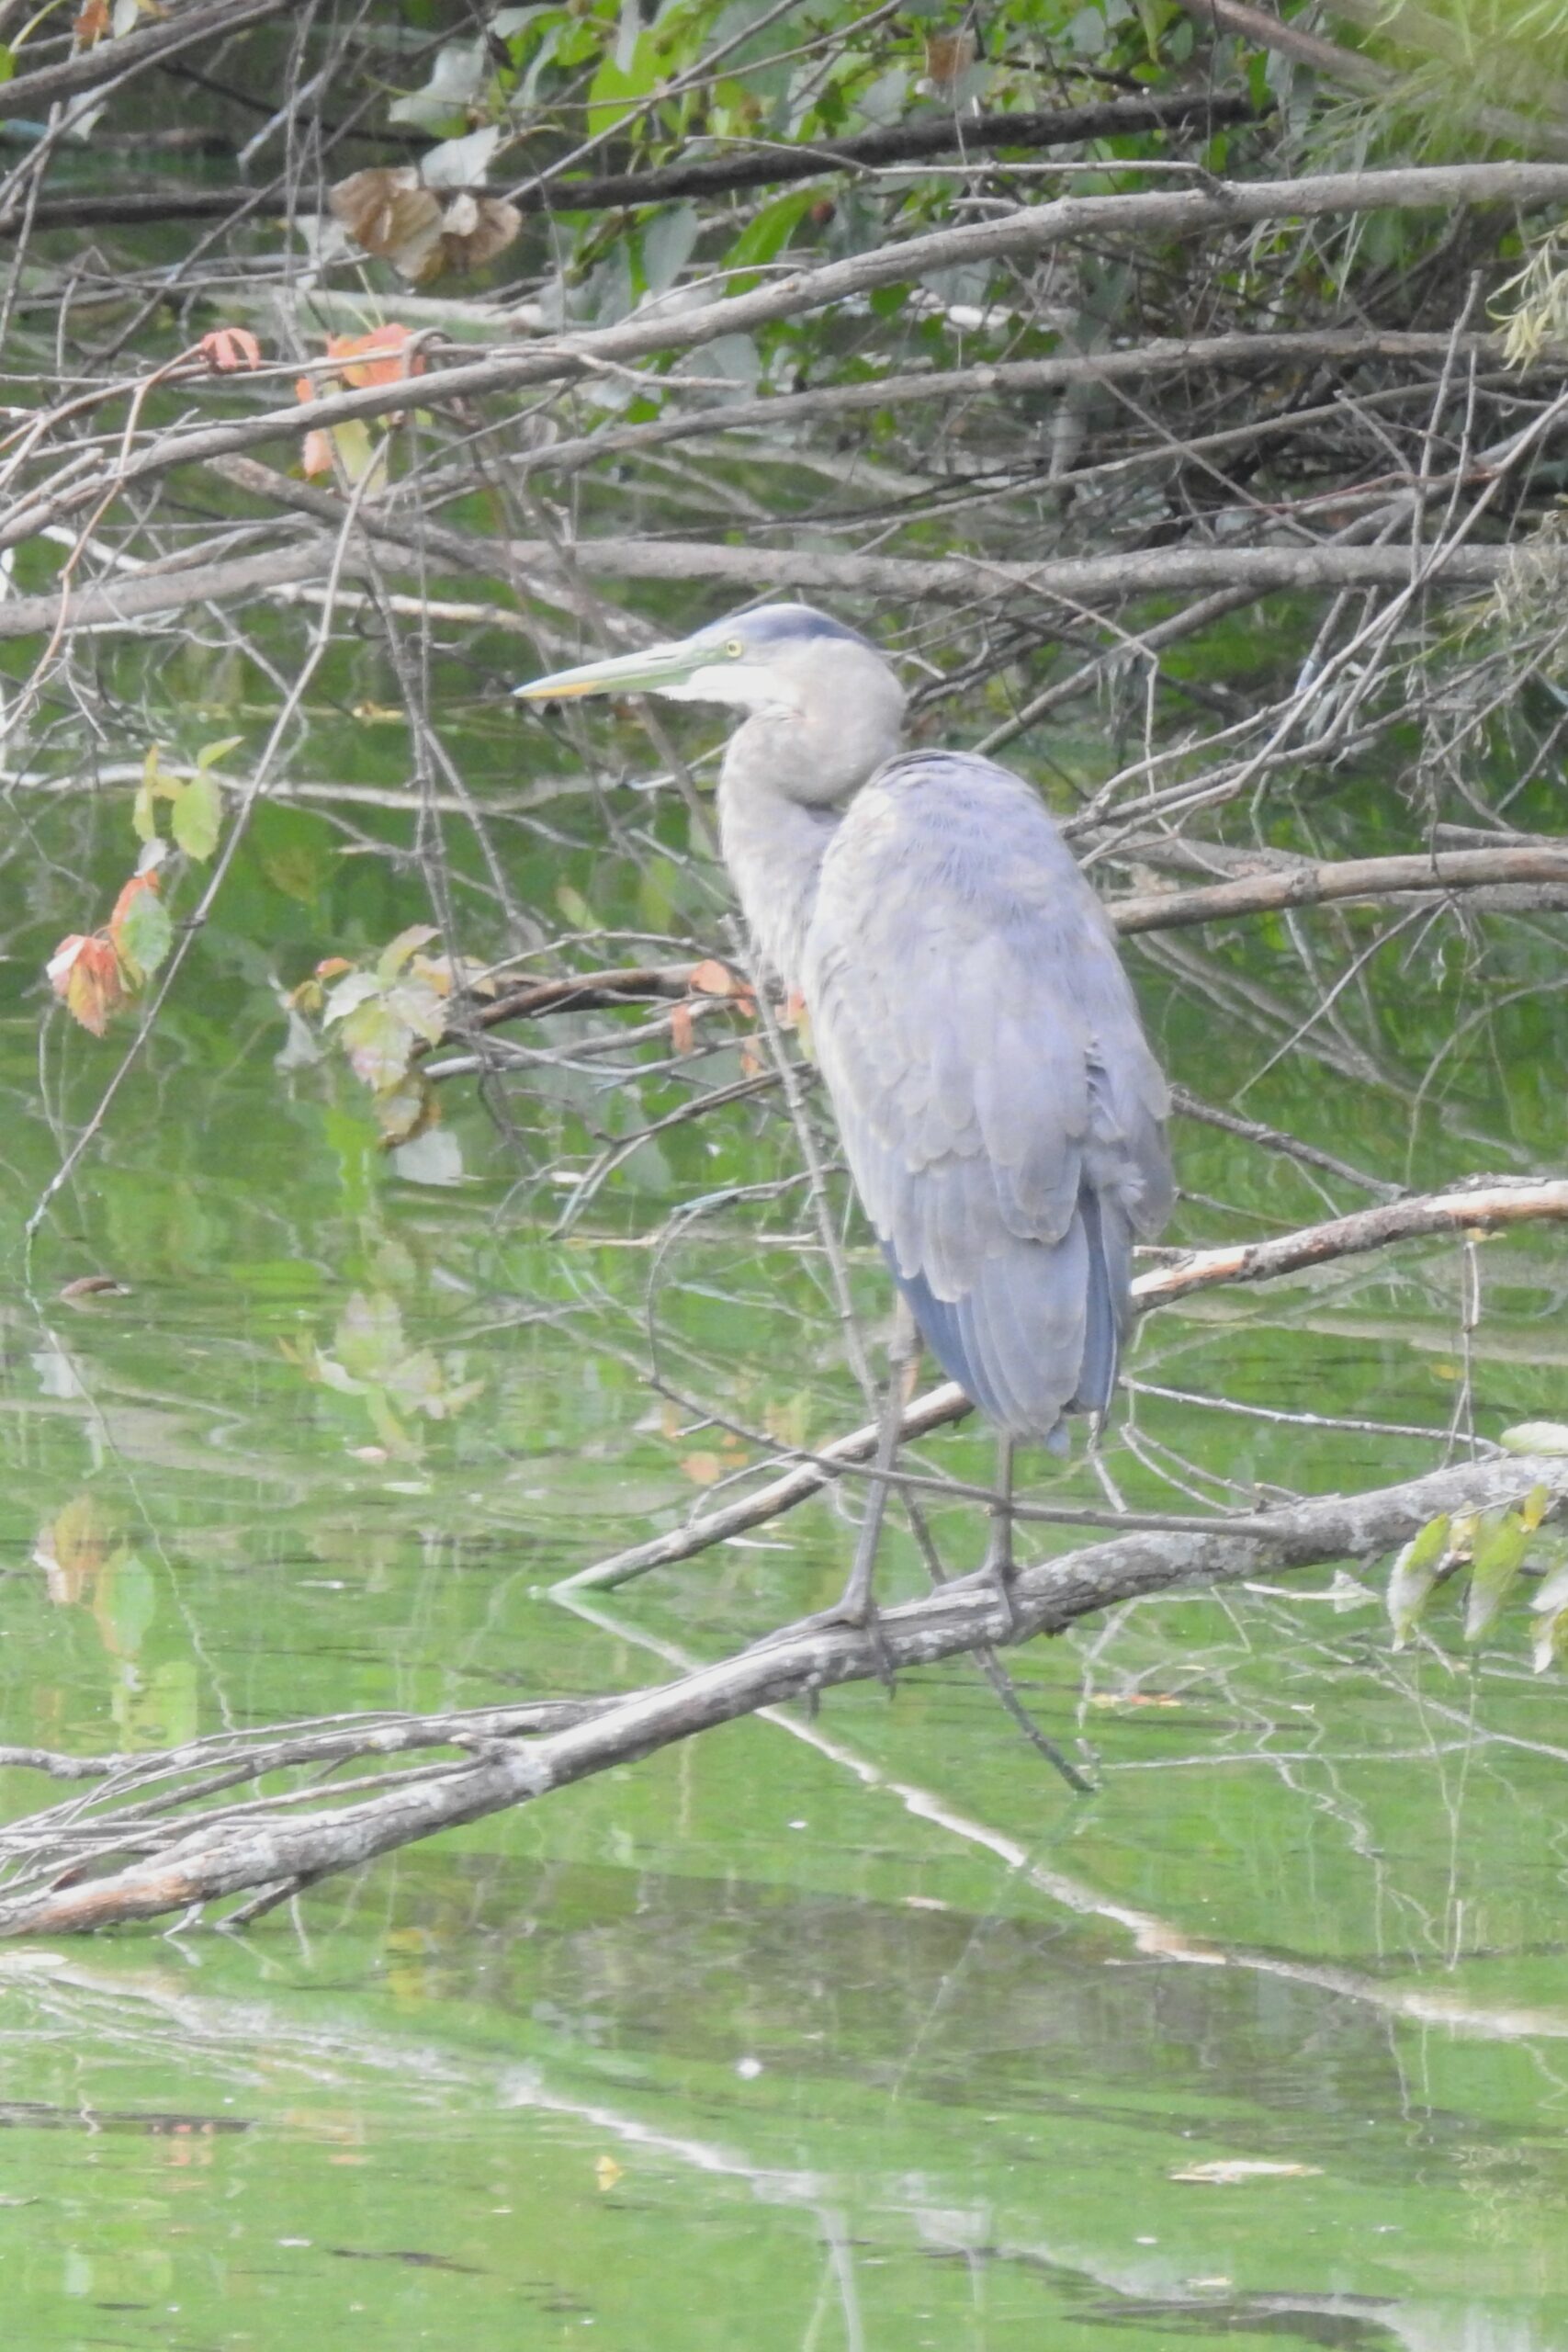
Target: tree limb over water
[129,1850]
[90,1871]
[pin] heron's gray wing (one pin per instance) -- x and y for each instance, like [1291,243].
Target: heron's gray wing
[1000,1110]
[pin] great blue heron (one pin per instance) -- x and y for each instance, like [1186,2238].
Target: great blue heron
[1000,1110]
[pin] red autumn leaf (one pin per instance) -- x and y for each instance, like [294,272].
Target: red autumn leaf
[378,357]
[85,974]
[228,349]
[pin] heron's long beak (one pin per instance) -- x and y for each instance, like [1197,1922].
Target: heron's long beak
[656,667]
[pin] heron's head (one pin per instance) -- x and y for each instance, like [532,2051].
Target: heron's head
[781,660]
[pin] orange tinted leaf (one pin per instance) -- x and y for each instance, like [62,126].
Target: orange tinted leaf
[127,897]
[683,1029]
[92,23]
[85,974]
[379,358]
[318,457]
[702,1468]
[94,1286]
[332,966]
[714,979]
[228,348]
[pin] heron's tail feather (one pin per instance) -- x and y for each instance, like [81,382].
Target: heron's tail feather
[1038,1333]
[1110,1239]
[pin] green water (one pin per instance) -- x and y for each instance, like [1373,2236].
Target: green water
[852,2030]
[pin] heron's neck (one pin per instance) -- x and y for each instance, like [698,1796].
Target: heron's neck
[789,774]
[774,847]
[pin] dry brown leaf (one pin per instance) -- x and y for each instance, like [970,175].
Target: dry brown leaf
[682,1028]
[390,212]
[949,57]
[495,224]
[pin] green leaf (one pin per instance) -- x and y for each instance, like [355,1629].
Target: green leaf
[401,1108]
[353,990]
[199,817]
[210,753]
[667,244]
[1536,1437]
[369,1336]
[765,236]
[1551,1605]
[153,787]
[421,1006]
[1415,1571]
[396,953]
[618,90]
[145,935]
[127,1602]
[377,1042]
[1501,1545]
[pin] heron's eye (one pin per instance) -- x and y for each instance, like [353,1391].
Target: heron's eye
[734,647]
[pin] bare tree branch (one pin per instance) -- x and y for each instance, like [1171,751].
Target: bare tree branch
[1031,230]
[1351,878]
[1484,1205]
[778,163]
[117,61]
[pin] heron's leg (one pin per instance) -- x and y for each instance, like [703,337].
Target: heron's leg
[998,1561]
[903,1348]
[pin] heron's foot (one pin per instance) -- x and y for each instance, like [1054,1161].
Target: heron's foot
[854,1612]
[996,1573]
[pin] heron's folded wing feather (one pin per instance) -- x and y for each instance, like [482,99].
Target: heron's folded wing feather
[974,1024]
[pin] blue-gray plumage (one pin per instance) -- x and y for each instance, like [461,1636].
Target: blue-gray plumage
[1001,1113]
